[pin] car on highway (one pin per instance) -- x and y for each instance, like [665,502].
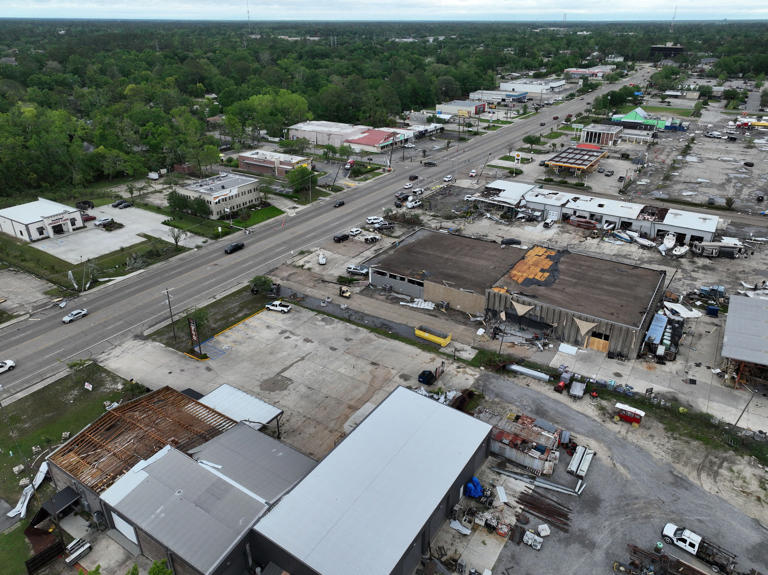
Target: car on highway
[430,164]
[472,173]
[409,145]
[74,315]
[542,123]
[621,178]
[235,247]
[338,204]
[402,196]
[355,232]
[448,178]
[7,365]
[373,220]
[413,177]
[338,238]
[278,305]
[408,186]
[357,270]
[555,117]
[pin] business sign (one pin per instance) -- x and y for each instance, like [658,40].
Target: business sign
[193,331]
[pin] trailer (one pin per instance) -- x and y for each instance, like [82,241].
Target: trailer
[719,559]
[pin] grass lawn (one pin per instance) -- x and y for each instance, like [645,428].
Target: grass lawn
[258,216]
[5,316]
[14,548]
[491,128]
[41,417]
[220,315]
[554,135]
[566,128]
[25,256]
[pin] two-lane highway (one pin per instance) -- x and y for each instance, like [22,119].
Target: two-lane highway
[42,345]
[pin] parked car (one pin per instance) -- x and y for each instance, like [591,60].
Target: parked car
[374,219]
[349,164]
[125,205]
[401,195]
[418,191]
[340,238]
[355,232]
[103,222]
[413,204]
[600,170]
[278,306]
[321,259]
[408,186]
[84,205]
[7,365]
[542,123]
[384,226]
[448,178]
[117,203]
[74,315]
[357,270]
[88,217]
[371,239]
[235,247]
[609,173]
[542,162]
[469,198]
[398,204]
[580,222]
[409,145]
[472,173]
[338,204]
[555,117]
[621,178]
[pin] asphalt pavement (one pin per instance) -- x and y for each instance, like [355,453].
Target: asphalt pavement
[42,346]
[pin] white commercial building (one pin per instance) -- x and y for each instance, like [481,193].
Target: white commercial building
[374,503]
[273,163]
[462,108]
[39,220]
[532,86]
[321,133]
[225,193]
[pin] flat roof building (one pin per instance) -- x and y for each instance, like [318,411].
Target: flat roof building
[576,158]
[745,341]
[322,133]
[273,163]
[225,193]
[601,134]
[39,220]
[462,108]
[498,96]
[374,503]
[535,87]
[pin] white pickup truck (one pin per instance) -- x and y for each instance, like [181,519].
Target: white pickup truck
[715,556]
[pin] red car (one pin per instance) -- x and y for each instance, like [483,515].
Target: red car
[88,217]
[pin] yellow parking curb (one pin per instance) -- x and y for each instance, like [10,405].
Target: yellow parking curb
[238,323]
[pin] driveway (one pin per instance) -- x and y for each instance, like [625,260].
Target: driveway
[92,242]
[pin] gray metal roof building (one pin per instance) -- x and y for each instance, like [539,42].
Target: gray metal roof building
[197,511]
[373,504]
[746,331]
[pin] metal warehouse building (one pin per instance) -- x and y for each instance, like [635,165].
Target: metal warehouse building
[745,341]
[583,300]
[39,220]
[373,505]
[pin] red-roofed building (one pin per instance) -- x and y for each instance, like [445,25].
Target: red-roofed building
[375,141]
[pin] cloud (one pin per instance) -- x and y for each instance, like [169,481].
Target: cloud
[494,10]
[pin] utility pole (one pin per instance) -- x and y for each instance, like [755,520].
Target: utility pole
[82,286]
[170,310]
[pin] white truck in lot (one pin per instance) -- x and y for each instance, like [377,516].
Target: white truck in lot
[720,560]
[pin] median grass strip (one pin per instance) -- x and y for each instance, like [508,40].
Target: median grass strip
[211,319]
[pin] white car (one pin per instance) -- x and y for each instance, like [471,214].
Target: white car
[408,186]
[74,315]
[374,220]
[321,259]
[278,306]
[448,178]
[7,365]
[472,173]
[355,232]
[418,191]
[469,198]
[413,204]
[409,145]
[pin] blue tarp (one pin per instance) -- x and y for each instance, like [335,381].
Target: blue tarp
[656,330]
[473,488]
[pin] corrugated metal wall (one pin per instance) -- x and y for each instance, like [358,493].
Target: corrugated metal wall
[473,303]
[399,284]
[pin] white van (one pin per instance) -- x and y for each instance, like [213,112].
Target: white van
[548,223]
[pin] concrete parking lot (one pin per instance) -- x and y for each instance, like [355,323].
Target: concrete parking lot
[92,242]
[324,373]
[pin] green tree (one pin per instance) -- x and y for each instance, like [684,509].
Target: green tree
[301,179]
[261,284]
[95,571]
[161,567]
[705,92]
[200,208]
[764,98]
[134,570]
[731,94]
[178,203]
[532,140]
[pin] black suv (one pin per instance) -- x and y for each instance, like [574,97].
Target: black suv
[429,164]
[232,248]
[341,238]
[84,205]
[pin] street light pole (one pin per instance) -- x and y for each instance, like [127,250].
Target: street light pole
[170,310]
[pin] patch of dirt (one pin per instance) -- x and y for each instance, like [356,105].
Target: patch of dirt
[276,383]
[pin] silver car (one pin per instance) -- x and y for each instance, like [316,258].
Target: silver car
[74,315]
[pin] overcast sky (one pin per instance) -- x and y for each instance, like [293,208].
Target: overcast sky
[495,10]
